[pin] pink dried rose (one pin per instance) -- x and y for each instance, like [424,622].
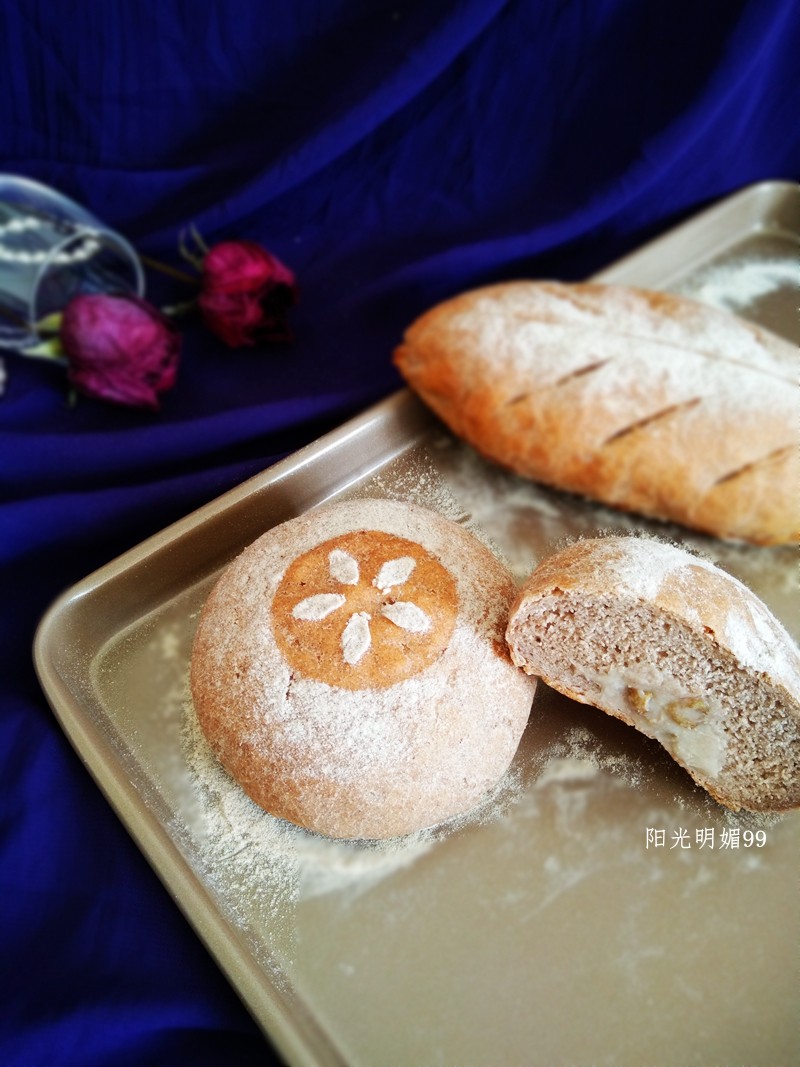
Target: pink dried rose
[246,294]
[120,349]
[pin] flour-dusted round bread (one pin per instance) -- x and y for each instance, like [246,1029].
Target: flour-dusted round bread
[649,402]
[350,670]
[679,649]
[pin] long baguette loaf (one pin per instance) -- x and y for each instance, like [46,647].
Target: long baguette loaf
[676,647]
[649,402]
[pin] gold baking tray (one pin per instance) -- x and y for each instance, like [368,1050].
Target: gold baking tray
[598,909]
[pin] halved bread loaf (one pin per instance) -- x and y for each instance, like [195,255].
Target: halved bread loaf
[649,402]
[676,647]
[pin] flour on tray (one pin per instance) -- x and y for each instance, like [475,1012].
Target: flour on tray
[255,853]
[736,284]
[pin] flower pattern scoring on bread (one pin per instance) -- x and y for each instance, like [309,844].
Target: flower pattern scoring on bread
[366,609]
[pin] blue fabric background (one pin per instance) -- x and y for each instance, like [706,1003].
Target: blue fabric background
[392,153]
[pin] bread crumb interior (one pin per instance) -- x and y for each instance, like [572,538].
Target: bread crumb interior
[732,729]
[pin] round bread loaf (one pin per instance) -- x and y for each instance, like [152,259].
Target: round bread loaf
[674,646]
[349,670]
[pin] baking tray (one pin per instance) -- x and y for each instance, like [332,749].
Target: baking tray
[598,908]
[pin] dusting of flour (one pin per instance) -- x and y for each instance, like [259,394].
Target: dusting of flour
[736,285]
[244,846]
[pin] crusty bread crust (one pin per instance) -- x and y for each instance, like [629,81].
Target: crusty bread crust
[676,647]
[646,401]
[350,670]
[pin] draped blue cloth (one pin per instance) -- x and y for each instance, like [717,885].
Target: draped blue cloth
[392,154]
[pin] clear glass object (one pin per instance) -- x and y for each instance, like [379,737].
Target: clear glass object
[52,249]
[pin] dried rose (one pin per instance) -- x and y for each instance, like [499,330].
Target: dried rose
[246,294]
[120,349]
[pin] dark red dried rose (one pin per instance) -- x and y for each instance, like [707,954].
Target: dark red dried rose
[120,349]
[246,294]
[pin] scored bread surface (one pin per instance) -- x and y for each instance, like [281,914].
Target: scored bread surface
[676,647]
[646,401]
[350,670]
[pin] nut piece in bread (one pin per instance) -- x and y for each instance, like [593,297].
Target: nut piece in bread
[350,670]
[674,646]
[648,402]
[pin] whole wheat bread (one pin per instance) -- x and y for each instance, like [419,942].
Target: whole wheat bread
[649,402]
[676,647]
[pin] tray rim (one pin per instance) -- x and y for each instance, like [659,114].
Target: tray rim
[285,1021]
[300,1041]
[757,197]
